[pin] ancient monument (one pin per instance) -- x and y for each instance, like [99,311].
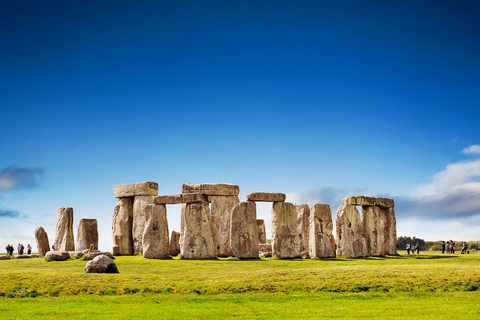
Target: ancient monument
[87,234]
[41,237]
[64,230]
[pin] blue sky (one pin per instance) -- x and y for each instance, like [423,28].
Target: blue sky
[317,99]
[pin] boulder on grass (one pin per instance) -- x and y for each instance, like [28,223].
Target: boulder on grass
[57,255]
[101,264]
[93,255]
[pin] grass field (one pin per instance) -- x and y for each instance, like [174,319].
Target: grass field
[427,286]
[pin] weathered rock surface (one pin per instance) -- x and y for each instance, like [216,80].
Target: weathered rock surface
[41,237]
[350,234]
[384,202]
[174,246]
[220,219]
[76,254]
[168,199]
[135,189]
[64,230]
[359,201]
[388,229]
[265,250]
[266,197]
[87,234]
[57,255]
[371,227]
[155,234]
[212,189]
[285,239]
[139,204]
[303,227]
[122,224]
[321,228]
[193,197]
[262,234]
[244,231]
[197,232]
[101,264]
[92,255]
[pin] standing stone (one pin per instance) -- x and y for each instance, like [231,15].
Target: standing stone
[321,228]
[350,233]
[64,230]
[197,232]
[262,234]
[220,218]
[43,246]
[244,231]
[139,204]
[371,227]
[303,227]
[388,230]
[122,223]
[155,235]
[87,234]
[285,239]
[174,246]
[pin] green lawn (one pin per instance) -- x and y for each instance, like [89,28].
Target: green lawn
[428,286]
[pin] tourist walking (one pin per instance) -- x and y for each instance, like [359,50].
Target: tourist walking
[443,247]
[408,248]
[8,249]
[29,249]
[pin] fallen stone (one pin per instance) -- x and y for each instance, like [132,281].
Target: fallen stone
[26,256]
[212,189]
[193,197]
[350,233]
[92,255]
[303,227]
[266,197]
[87,234]
[122,224]
[64,230]
[155,236]
[321,228]
[76,254]
[174,246]
[220,219]
[57,255]
[168,199]
[197,232]
[359,201]
[101,264]
[265,250]
[139,204]
[285,239]
[41,237]
[135,189]
[244,231]
[6,257]
[262,234]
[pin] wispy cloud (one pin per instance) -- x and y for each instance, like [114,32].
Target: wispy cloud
[15,178]
[327,195]
[9,214]
[473,149]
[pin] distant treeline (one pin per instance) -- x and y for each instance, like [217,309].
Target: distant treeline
[434,245]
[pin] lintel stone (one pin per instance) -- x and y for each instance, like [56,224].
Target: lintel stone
[266,197]
[212,189]
[135,189]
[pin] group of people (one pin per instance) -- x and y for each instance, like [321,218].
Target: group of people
[450,247]
[412,247]
[20,249]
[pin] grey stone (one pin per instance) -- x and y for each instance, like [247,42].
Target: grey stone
[168,199]
[359,201]
[371,227]
[285,239]
[193,197]
[155,235]
[139,204]
[101,264]
[303,227]
[43,246]
[87,234]
[220,219]
[64,230]
[57,255]
[93,255]
[265,250]
[322,244]
[266,196]
[350,234]
[174,246]
[262,234]
[212,189]
[122,224]
[244,232]
[197,232]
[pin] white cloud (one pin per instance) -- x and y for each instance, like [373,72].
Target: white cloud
[473,149]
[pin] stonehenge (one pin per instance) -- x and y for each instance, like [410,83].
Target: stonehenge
[64,230]
[41,237]
[214,222]
[87,234]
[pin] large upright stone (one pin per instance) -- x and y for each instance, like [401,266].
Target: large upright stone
[174,246]
[285,239]
[139,204]
[197,232]
[220,218]
[122,223]
[87,234]
[212,189]
[303,227]
[321,228]
[43,246]
[155,235]
[64,230]
[371,227]
[135,189]
[244,232]
[388,229]
[350,234]
[266,196]
[262,234]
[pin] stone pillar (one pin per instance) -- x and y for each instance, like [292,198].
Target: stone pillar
[371,226]
[321,228]
[350,233]
[139,204]
[64,240]
[43,246]
[220,217]
[303,227]
[155,243]
[244,232]
[197,232]
[174,246]
[262,234]
[392,231]
[87,234]
[122,223]
[285,239]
